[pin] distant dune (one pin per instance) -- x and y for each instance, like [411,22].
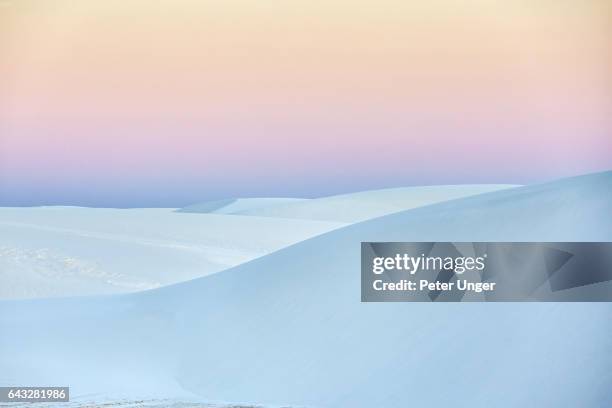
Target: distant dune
[237,205]
[348,208]
[289,328]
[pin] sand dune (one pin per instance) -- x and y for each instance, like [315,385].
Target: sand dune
[348,208]
[289,328]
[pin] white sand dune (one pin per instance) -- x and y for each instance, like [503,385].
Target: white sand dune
[289,328]
[347,208]
[237,205]
[364,205]
[68,251]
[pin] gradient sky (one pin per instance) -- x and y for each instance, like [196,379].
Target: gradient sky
[164,103]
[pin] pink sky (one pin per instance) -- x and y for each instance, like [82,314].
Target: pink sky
[160,103]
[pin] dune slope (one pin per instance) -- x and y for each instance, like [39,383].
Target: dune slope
[236,205]
[68,251]
[347,208]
